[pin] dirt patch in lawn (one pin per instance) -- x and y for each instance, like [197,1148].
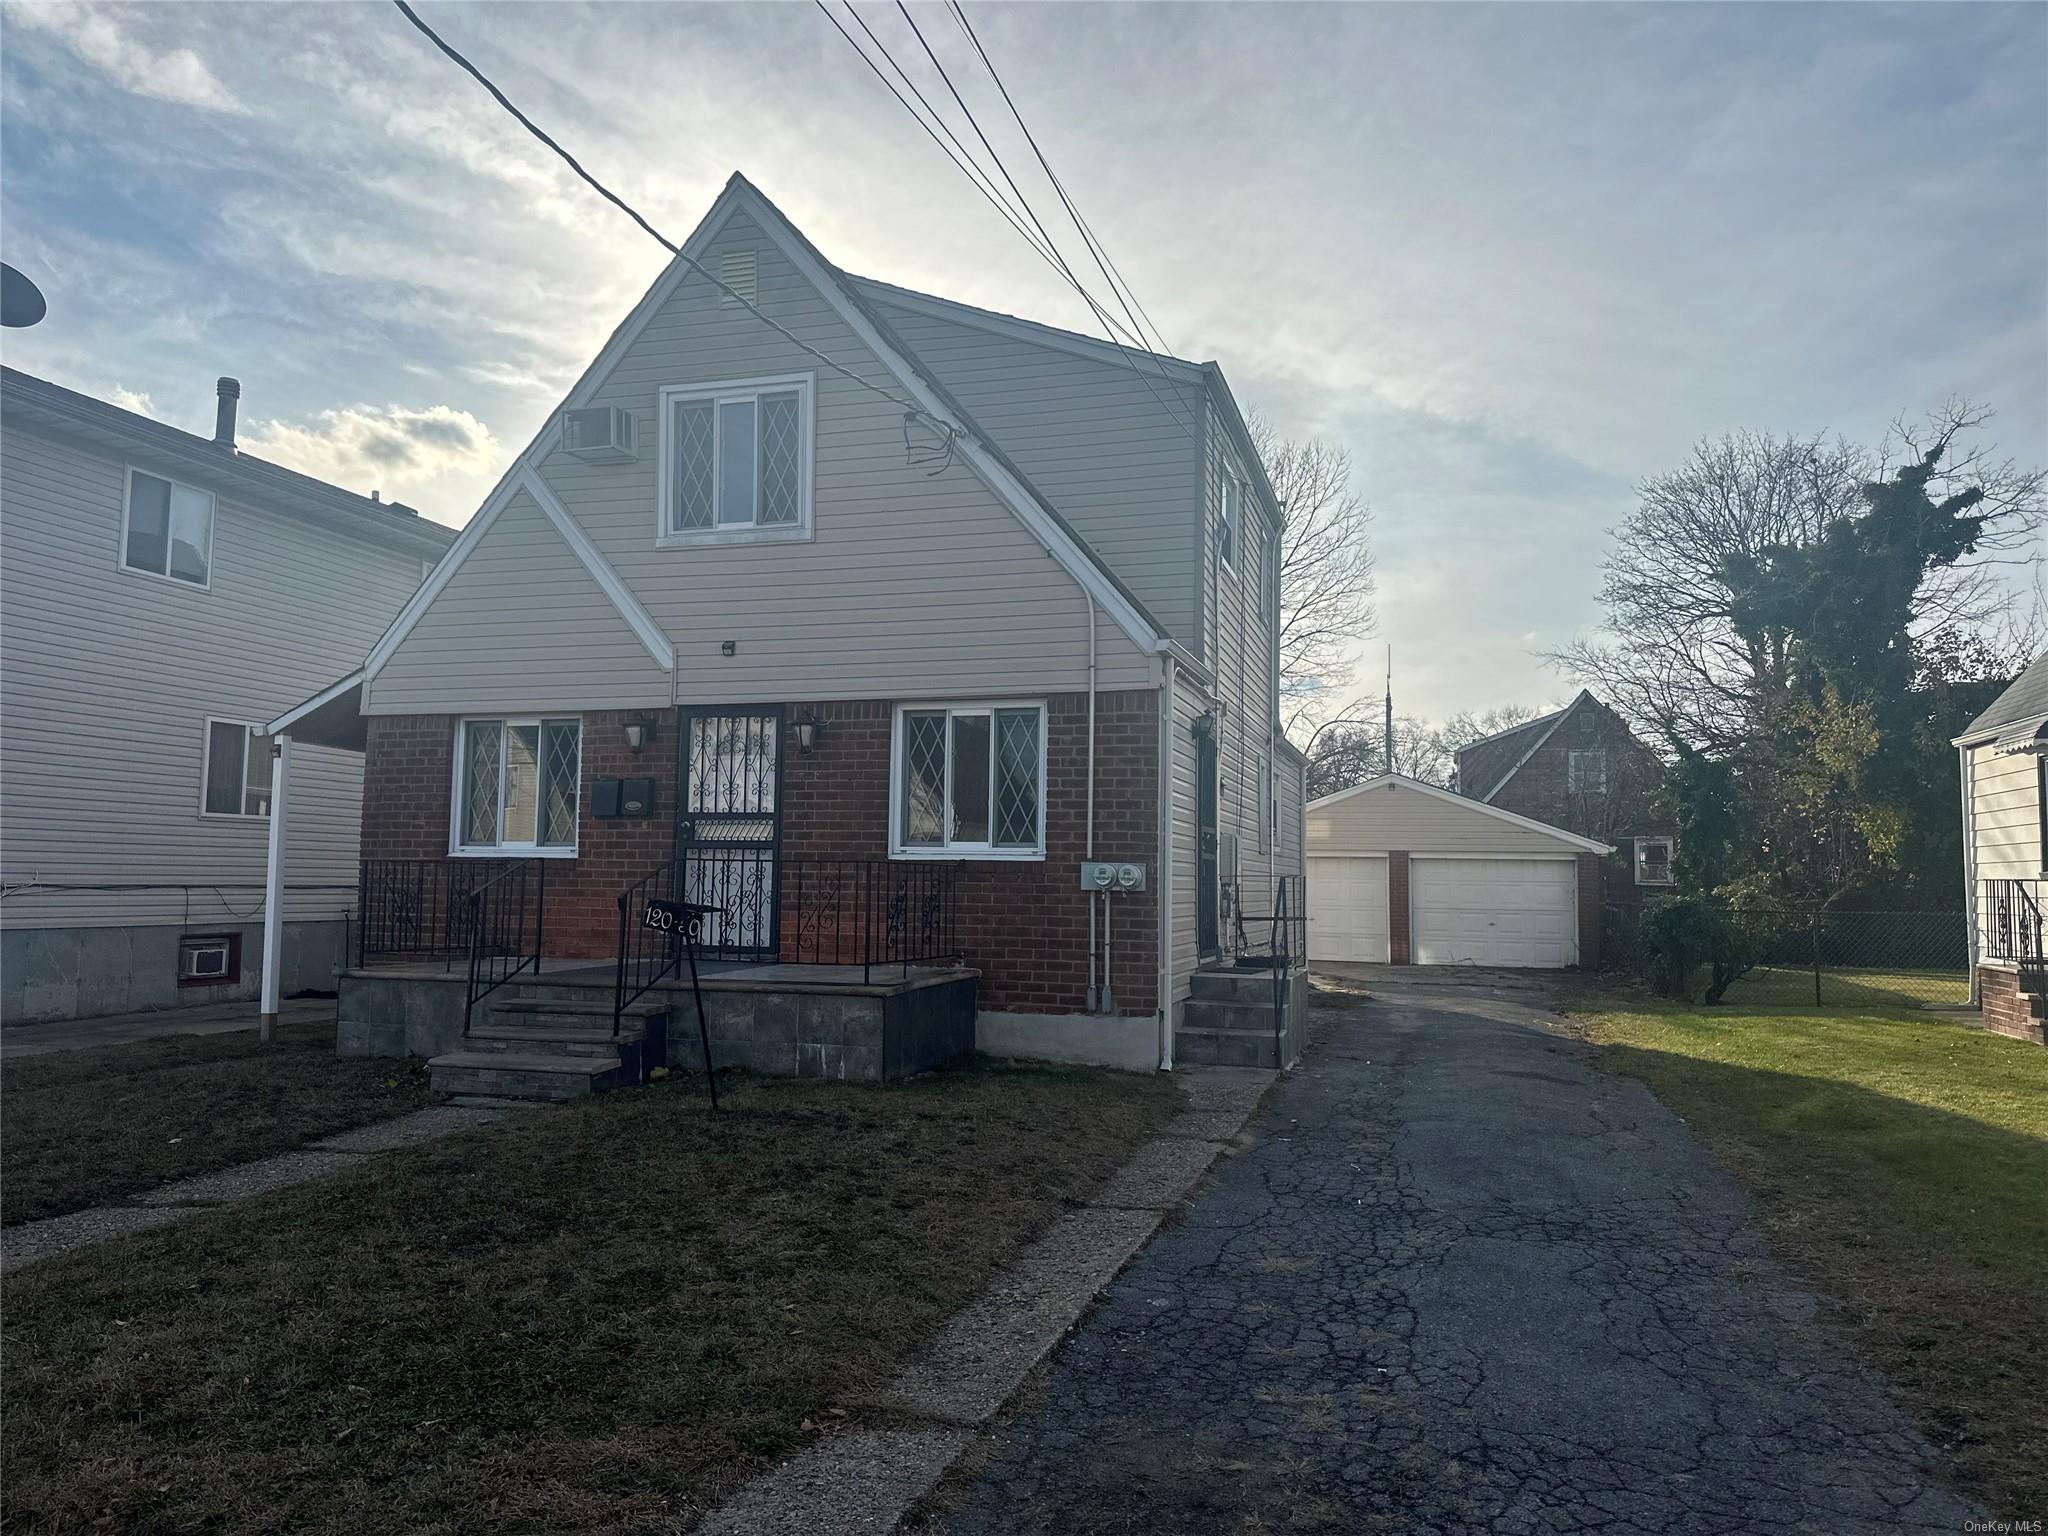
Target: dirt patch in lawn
[87,1127]
[600,1318]
[1901,1164]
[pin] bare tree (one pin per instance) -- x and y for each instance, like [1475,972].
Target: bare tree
[1341,755]
[1670,657]
[1326,576]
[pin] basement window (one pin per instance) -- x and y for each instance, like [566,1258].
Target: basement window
[209,959]
[969,779]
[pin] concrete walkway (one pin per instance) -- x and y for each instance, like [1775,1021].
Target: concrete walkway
[1463,1282]
[34,1241]
[126,1028]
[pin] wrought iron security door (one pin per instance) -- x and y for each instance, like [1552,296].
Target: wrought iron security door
[729,825]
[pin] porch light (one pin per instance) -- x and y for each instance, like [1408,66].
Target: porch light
[639,731]
[806,727]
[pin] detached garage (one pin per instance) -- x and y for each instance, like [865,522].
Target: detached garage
[1400,871]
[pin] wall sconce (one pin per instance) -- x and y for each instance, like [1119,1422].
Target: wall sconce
[639,731]
[806,727]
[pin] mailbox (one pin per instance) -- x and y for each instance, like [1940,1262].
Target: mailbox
[622,797]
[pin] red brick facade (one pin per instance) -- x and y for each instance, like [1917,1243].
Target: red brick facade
[1590,880]
[1400,944]
[1023,924]
[2007,1010]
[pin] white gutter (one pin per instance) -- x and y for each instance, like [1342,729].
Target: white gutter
[1968,789]
[1088,834]
[1163,993]
[273,886]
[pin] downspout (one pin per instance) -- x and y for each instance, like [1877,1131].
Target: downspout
[273,878]
[1165,923]
[1967,780]
[1088,835]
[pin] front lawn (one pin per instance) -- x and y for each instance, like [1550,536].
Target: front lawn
[1902,1166]
[599,1318]
[81,1128]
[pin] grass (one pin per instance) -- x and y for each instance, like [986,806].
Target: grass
[600,1318]
[87,1127]
[1902,1166]
[1776,986]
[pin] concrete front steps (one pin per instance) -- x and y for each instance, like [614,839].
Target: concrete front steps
[1229,1021]
[553,1048]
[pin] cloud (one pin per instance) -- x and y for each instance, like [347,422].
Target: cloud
[176,75]
[382,447]
[132,400]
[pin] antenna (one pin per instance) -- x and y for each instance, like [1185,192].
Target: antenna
[1390,709]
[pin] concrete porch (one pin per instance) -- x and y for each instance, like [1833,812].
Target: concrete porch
[549,1035]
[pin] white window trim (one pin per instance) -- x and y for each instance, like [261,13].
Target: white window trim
[1599,755]
[127,512]
[457,849]
[957,851]
[718,390]
[206,762]
[1231,513]
[1670,860]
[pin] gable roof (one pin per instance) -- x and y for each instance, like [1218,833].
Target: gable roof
[1478,807]
[228,471]
[2025,701]
[1499,757]
[1009,483]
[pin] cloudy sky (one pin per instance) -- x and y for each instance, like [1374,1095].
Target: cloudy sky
[1513,258]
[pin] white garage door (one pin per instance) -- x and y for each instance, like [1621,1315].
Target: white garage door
[1347,908]
[1495,911]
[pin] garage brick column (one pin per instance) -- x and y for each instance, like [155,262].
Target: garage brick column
[1589,911]
[1399,951]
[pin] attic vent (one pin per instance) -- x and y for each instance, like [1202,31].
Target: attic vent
[736,271]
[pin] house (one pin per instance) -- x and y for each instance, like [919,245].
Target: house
[929,645]
[2003,760]
[1403,872]
[1581,768]
[162,595]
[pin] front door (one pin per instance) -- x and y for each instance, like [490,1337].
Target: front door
[729,824]
[1205,842]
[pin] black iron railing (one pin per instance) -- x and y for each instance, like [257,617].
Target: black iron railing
[412,909]
[1275,941]
[646,955]
[873,913]
[2013,927]
[504,917]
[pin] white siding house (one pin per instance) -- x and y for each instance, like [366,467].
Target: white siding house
[2003,760]
[1009,581]
[161,593]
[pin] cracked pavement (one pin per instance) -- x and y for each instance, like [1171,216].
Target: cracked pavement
[1461,1282]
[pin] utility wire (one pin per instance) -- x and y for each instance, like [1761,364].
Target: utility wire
[1117,284]
[970,168]
[666,244]
[1102,316]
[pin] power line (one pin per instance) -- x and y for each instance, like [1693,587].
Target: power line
[666,244]
[1102,316]
[1102,259]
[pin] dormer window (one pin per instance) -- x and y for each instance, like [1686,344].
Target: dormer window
[736,461]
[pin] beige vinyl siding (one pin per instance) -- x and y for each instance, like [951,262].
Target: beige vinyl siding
[1116,453]
[1394,818]
[2005,818]
[110,676]
[913,582]
[1291,858]
[521,625]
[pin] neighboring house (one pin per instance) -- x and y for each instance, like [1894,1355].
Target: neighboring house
[879,659]
[161,596]
[1402,872]
[1581,768]
[2003,758]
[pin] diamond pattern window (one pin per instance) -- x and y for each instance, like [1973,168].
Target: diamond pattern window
[736,460]
[517,786]
[970,779]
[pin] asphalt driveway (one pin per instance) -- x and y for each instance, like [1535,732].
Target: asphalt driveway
[1461,1282]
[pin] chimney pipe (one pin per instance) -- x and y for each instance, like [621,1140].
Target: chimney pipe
[229,391]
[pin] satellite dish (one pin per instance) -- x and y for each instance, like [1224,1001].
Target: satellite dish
[21,301]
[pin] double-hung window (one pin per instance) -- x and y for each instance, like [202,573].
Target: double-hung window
[516,786]
[167,529]
[1231,515]
[237,770]
[969,779]
[736,460]
[1586,772]
[1653,861]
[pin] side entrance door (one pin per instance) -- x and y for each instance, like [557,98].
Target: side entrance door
[1206,934]
[729,824]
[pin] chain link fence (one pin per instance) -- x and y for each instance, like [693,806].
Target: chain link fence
[1827,959]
